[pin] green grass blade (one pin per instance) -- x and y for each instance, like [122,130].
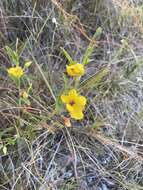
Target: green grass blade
[90,48]
[94,80]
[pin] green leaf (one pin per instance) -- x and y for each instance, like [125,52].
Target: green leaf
[25,100]
[59,105]
[90,48]
[27,64]
[12,55]
[15,80]
[67,56]
[97,33]
[95,79]
[29,88]
[65,83]
[11,141]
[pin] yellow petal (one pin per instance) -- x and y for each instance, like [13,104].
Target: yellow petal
[70,70]
[74,104]
[82,100]
[77,114]
[25,95]
[73,94]
[75,70]
[80,69]
[16,72]
[11,70]
[69,107]
[65,99]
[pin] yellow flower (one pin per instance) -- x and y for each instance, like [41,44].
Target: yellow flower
[75,70]
[74,104]
[25,95]
[16,72]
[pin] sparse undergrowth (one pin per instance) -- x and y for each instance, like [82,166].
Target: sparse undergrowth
[47,48]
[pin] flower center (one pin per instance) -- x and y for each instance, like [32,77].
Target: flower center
[72,103]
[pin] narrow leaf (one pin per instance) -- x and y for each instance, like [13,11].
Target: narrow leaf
[12,55]
[67,55]
[90,48]
[95,79]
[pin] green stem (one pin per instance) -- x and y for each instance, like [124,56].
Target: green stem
[77,80]
[19,89]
